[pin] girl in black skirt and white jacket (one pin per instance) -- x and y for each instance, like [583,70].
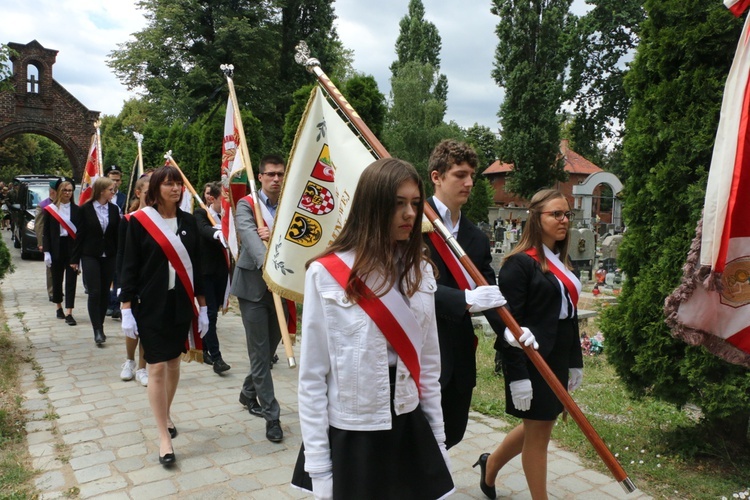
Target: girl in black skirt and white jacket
[369,391]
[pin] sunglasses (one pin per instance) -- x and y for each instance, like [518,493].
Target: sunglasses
[559,215]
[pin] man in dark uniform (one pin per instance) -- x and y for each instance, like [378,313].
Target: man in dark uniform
[451,168]
[114,173]
[215,269]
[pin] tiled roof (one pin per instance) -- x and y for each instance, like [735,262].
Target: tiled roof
[574,163]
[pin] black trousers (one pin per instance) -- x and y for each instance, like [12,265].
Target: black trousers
[61,270]
[97,277]
[215,286]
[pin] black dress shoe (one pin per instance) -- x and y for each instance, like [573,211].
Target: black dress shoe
[99,337]
[207,359]
[168,459]
[220,366]
[172,432]
[489,491]
[252,405]
[60,314]
[70,320]
[116,314]
[273,431]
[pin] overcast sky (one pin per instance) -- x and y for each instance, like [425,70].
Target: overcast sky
[85,31]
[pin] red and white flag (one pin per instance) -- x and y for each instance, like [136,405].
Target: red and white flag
[233,176]
[90,172]
[712,305]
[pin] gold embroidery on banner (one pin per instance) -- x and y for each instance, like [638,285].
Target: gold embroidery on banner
[736,281]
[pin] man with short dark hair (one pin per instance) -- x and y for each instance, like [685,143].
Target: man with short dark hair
[114,173]
[451,168]
[215,269]
[257,308]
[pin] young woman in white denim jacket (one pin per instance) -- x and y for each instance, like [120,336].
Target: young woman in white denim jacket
[368,429]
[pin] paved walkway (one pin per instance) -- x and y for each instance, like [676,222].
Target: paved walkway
[91,432]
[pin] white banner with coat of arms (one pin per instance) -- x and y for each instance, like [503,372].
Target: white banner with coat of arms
[324,166]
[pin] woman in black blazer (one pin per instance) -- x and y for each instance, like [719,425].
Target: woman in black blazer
[156,305]
[96,249]
[542,294]
[57,245]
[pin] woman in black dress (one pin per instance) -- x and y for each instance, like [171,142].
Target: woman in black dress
[159,290]
[61,218]
[96,249]
[542,294]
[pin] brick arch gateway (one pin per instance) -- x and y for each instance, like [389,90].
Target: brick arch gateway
[37,104]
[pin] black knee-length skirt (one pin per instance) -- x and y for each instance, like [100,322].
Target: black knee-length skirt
[404,462]
[163,340]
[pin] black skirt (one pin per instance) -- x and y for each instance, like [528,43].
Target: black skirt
[404,462]
[164,340]
[544,403]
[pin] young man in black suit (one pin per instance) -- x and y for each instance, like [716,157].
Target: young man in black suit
[215,266]
[451,168]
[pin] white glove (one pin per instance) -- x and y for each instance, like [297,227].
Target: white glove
[129,327]
[218,235]
[484,297]
[217,227]
[446,457]
[322,486]
[203,321]
[522,394]
[575,377]
[47,259]
[527,338]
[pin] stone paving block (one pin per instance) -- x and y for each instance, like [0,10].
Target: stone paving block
[102,486]
[45,464]
[244,484]
[93,473]
[129,464]
[157,489]
[42,450]
[113,430]
[594,477]
[81,436]
[121,440]
[91,459]
[73,417]
[153,473]
[201,478]
[40,437]
[74,409]
[38,425]
[50,481]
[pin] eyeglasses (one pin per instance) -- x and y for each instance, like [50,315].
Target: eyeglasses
[280,175]
[559,215]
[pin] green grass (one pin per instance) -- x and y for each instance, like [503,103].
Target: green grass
[666,451]
[15,470]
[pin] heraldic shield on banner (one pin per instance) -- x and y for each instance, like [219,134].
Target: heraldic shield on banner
[322,172]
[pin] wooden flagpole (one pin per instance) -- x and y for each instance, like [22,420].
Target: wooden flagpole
[228,70]
[99,148]
[313,65]
[186,182]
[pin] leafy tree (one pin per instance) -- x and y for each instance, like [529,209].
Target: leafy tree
[481,197]
[601,41]
[530,63]
[176,58]
[675,86]
[485,143]
[31,154]
[6,69]
[415,120]
[311,21]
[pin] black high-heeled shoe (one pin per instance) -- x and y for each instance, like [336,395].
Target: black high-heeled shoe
[489,491]
[168,459]
[172,432]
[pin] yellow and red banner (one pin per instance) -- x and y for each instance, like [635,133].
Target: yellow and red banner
[324,166]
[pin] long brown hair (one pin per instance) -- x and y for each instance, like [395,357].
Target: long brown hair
[58,192]
[100,185]
[532,231]
[135,204]
[367,231]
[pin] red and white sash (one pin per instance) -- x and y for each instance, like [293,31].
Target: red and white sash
[65,223]
[457,270]
[172,246]
[562,273]
[178,257]
[264,212]
[291,324]
[390,312]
